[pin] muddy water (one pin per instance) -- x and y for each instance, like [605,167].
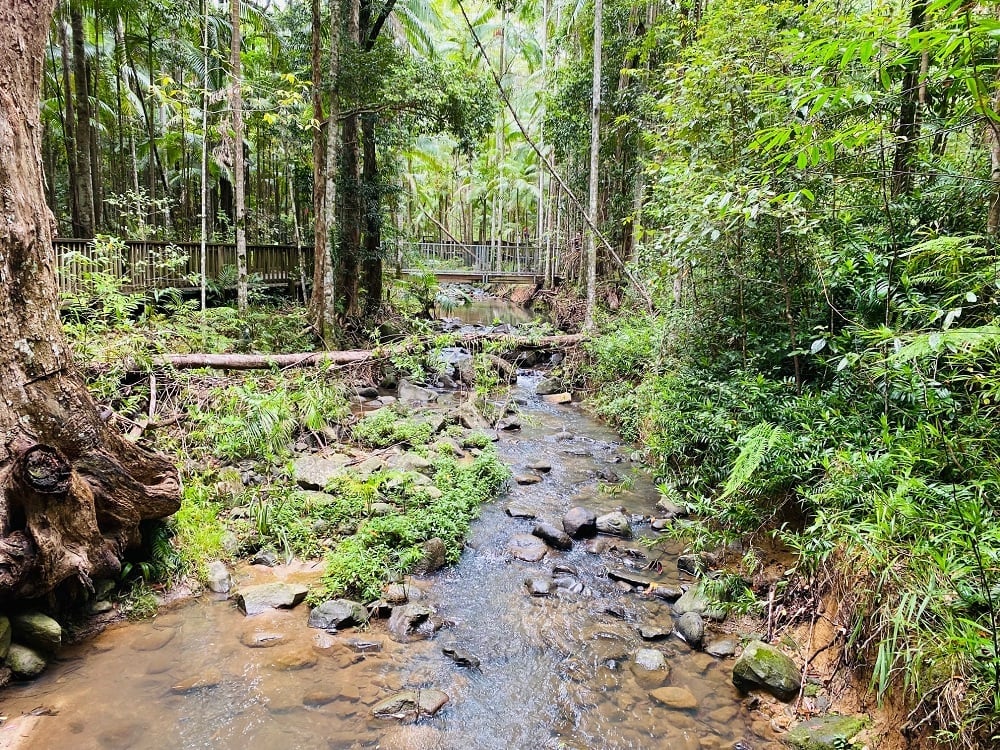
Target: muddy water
[555,672]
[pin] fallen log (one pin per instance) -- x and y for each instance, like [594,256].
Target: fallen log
[347,357]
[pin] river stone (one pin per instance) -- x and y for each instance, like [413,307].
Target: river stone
[254,638]
[99,607]
[670,509]
[435,557]
[691,627]
[721,648]
[693,564]
[24,662]
[615,523]
[219,578]
[5,636]
[412,737]
[315,472]
[405,619]
[764,666]
[207,679]
[649,667]
[542,467]
[519,511]
[293,659]
[539,585]
[264,557]
[627,576]
[253,600]
[509,424]
[154,641]
[829,732]
[580,522]
[558,398]
[695,600]
[653,633]
[36,630]
[410,704]
[548,386]
[675,697]
[552,536]
[400,593]
[338,613]
[316,698]
[667,593]
[409,462]
[527,547]
[408,392]
[527,479]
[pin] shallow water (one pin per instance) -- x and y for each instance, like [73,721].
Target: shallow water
[485,312]
[555,672]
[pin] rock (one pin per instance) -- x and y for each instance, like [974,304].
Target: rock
[316,698]
[539,585]
[315,472]
[219,578]
[5,636]
[24,662]
[410,704]
[667,593]
[694,564]
[548,386]
[207,679]
[155,640]
[633,579]
[337,613]
[257,638]
[519,511]
[435,557]
[830,732]
[410,393]
[764,666]
[670,508]
[469,417]
[36,630]
[542,467]
[691,627]
[293,659]
[509,424]
[721,648]
[675,697]
[405,619]
[615,523]
[695,600]
[659,524]
[411,737]
[461,657]
[264,557]
[558,398]
[527,547]
[99,607]
[649,667]
[103,588]
[368,392]
[253,600]
[552,536]
[400,593]
[527,479]
[382,509]
[580,522]
[653,633]
[409,462]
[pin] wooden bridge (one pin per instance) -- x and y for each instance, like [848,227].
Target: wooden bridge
[156,265]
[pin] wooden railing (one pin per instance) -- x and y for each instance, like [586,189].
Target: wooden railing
[163,265]
[485,257]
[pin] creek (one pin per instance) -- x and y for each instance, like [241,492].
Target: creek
[555,671]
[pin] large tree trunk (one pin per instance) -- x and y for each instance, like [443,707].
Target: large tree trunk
[239,163]
[371,275]
[84,141]
[72,493]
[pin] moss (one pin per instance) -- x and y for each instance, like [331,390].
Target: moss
[829,732]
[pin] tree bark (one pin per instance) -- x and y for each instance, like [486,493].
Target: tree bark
[908,125]
[236,104]
[595,151]
[72,493]
[83,142]
[371,274]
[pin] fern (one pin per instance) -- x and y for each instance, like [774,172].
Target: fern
[760,439]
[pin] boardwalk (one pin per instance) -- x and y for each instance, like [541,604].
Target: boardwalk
[156,265]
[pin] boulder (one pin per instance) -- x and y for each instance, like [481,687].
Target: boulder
[408,392]
[410,704]
[338,613]
[650,668]
[580,522]
[401,593]
[435,557]
[558,398]
[314,472]
[691,627]
[405,619]
[765,667]
[615,523]
[36,630]
[830,732]
[670,509]
[5,636]
[219,578]
[253,600]
[552,536]
[694,564]
[264,557]
[527,547]
[675,697]
[548,386]
[695,600]
[24,662]
[409,462]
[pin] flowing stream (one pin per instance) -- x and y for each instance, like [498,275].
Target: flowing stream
[556,671]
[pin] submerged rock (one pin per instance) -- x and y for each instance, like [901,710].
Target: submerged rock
[722,648]
[829,732]
[650,668]
[675,697]
[527,547]
[539,585]
[37,630]
[763,666]
[406,619]
[691,627]
[519,511]
[461,657]
[410,704]
[338,613]
[253,600]
[552,536]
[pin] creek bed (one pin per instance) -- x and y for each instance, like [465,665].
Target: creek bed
[556,672]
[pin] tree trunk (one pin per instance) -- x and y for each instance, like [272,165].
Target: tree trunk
[69,130]
[83,138]
[595,150]
[72,493]
[372,258]
[236,104]
[908,124]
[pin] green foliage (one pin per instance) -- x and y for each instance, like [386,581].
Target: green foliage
[198,529]
[390,427]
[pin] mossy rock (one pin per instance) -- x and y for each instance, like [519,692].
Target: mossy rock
[830,732]
[5,636]
[764,666]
